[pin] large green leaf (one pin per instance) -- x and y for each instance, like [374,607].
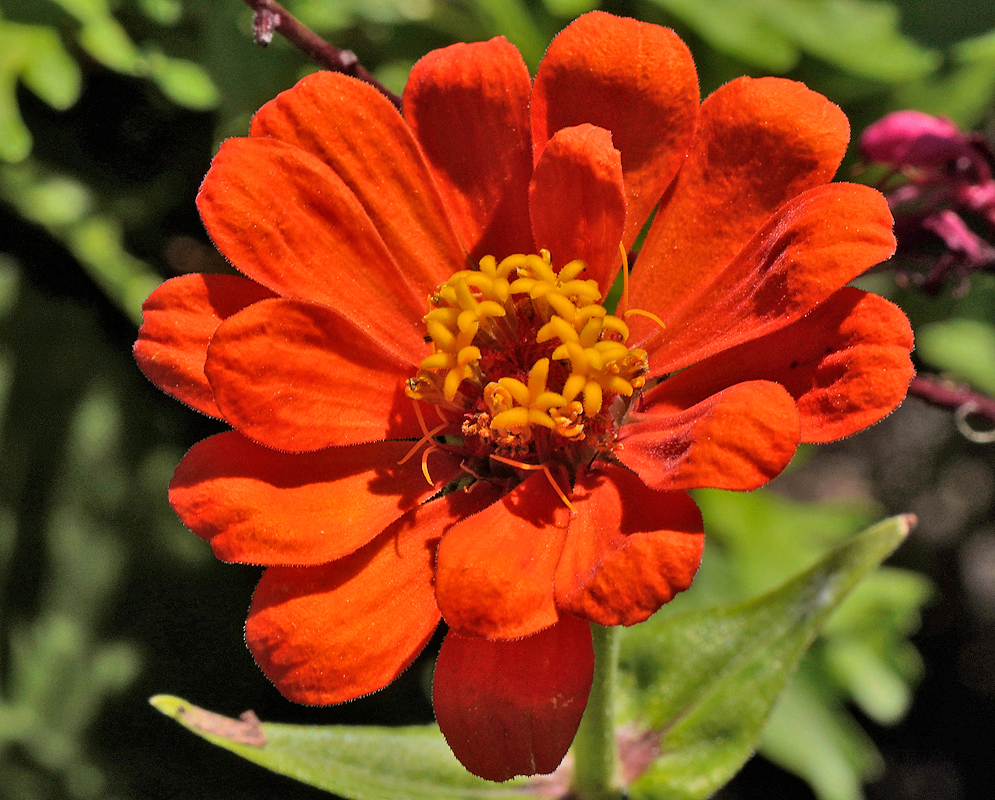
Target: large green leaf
[361,763]
[707,680]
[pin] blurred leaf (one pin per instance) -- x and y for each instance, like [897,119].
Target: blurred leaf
[361,763]
[859,36]
[965,348]
[33,54]
[511,18]
[165,12]
[570,8]
[708,679]
[833,754]
[185,83]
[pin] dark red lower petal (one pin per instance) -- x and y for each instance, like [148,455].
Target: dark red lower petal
[738,438]
[512,708]
[179,319]
[846,364]
[334,632]
[260,506]
[629,549]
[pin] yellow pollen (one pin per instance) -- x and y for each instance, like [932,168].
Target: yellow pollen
[519,345]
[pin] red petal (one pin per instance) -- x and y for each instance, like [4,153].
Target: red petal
[513,708]
[468,105]
[634,79]
[331,633]
[812,247]
[738,439]
[759,143]
[179,319]
[354,129]
[630,549]
[846,364]
[577,201]
[296,376]
[495,574]
[288,221]
[259,506]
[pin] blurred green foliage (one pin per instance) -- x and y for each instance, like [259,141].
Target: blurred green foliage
[110,111]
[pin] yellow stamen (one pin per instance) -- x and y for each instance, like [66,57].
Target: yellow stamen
[549,477]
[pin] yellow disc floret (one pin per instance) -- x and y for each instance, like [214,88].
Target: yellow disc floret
[520,345]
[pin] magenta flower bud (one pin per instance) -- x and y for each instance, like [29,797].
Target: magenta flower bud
[915,139]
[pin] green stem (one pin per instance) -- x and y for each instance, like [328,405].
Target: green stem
[594,748]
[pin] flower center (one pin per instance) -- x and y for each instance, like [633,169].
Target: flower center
[530,359]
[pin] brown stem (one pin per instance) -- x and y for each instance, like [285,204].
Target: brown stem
[963,401]
[271,17]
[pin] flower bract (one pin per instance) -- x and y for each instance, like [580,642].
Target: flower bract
[436,414]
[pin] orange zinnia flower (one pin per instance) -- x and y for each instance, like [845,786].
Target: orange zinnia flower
[434,414]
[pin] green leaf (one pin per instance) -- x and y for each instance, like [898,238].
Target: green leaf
[184,82]
[708,680]
[963,347]
[361,763]
[859,36]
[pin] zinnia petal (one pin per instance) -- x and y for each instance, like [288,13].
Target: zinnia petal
[846,364]
[179,319]
[812,247]
[296,376]
[495,573]
[634,79]
[260,506]
[285,219]
[759,143]
[334,632]
[737,439]
[577,201]
[629,549]
[512,708]
[468,105]
[354,129]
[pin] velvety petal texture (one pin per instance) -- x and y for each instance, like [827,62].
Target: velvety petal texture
[355,130]
[495,569]
[629,548]
[259,506]
[468,105]
[512,708]
[759,143]
[738,438]
[580,163]
[310,238]
[179,319]
[269,365]
[812,247]
[334,632]
[633,79]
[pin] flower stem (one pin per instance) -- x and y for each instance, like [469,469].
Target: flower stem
[594,748]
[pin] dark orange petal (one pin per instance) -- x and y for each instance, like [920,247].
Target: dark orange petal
[737,439]
[495,573]
[179,319]
[334,632]
[577,201]
[846,364]
[296,376]
[513,708]
[634,79]
[759,143]
[288,221]
[259,506]
[354,129]
[468,105]
[629,549]
[812,247]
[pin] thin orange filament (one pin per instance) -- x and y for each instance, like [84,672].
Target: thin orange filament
[549,477]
